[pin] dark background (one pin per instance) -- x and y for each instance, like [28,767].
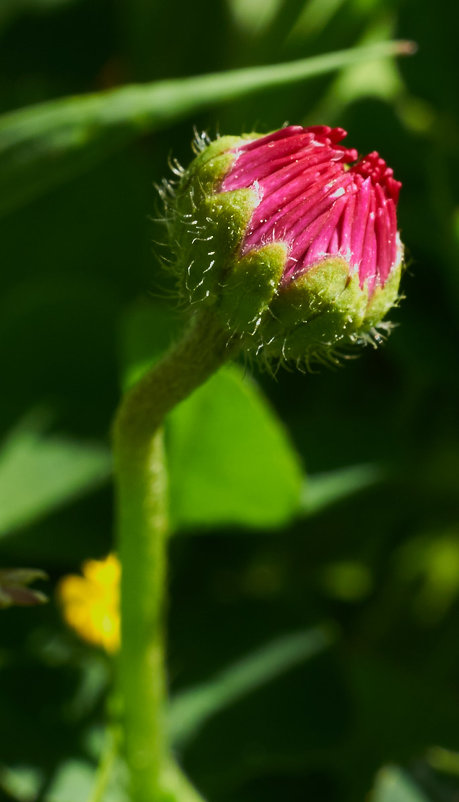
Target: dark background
[75,259]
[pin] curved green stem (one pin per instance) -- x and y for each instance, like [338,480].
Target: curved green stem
[142,527]
[142,532]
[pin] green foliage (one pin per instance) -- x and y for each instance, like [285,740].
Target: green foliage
[43,146]
[393,785]
[21,782]
[73,781]
[191,709]
[230,459]
[210,435]
[322,490]
[95,96]
[39,473]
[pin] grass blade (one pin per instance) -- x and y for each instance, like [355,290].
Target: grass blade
[323,490]
[44,145]
[191,709]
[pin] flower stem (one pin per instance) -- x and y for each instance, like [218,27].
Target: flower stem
[143,528]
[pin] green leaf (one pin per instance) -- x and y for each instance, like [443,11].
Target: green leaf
[230,458]
[190,710]
[212,433]
[177,787]
[45,145]
[73,780]
[394,785]
[315,16]
[21,782]
[380,78]
[40,473]
[11,9]
[110,779]
[148,329]
[77,779]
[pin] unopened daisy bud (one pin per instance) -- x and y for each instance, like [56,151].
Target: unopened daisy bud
[292,238]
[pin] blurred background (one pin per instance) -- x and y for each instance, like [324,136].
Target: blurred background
[337,552]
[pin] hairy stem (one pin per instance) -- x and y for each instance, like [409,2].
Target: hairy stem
[142,528]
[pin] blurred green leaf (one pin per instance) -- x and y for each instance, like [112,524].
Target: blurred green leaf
[254,16]
[190,710]
[44,145]
[233,420]
[39,473]
[230,459]
[380,78]
[396,696]
[177,787]
[21,783]
[73,781]
[79,780]
[314,17]
[394,785]
[110,781]
[347,580]
[322,490]
[147,331]
[431,563]
[94,680]
[11,9]
[443,760]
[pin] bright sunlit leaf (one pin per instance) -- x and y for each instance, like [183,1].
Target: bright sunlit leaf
[230,458]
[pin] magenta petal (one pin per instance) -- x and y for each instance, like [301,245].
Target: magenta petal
[359,223]
[288,205]
[291,130]
[393,230]
[345,227]
[333,248]
[383,244]
[312,200]
[321,246]
[367,269]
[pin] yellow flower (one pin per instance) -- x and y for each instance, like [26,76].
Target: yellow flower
[90,603]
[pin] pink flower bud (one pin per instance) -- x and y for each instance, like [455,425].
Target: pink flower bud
[292,238]
[311,199]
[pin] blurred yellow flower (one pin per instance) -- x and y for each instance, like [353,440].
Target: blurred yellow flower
[90,603]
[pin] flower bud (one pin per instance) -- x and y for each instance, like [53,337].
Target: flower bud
[15,590]
[292,238]
[90,603]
